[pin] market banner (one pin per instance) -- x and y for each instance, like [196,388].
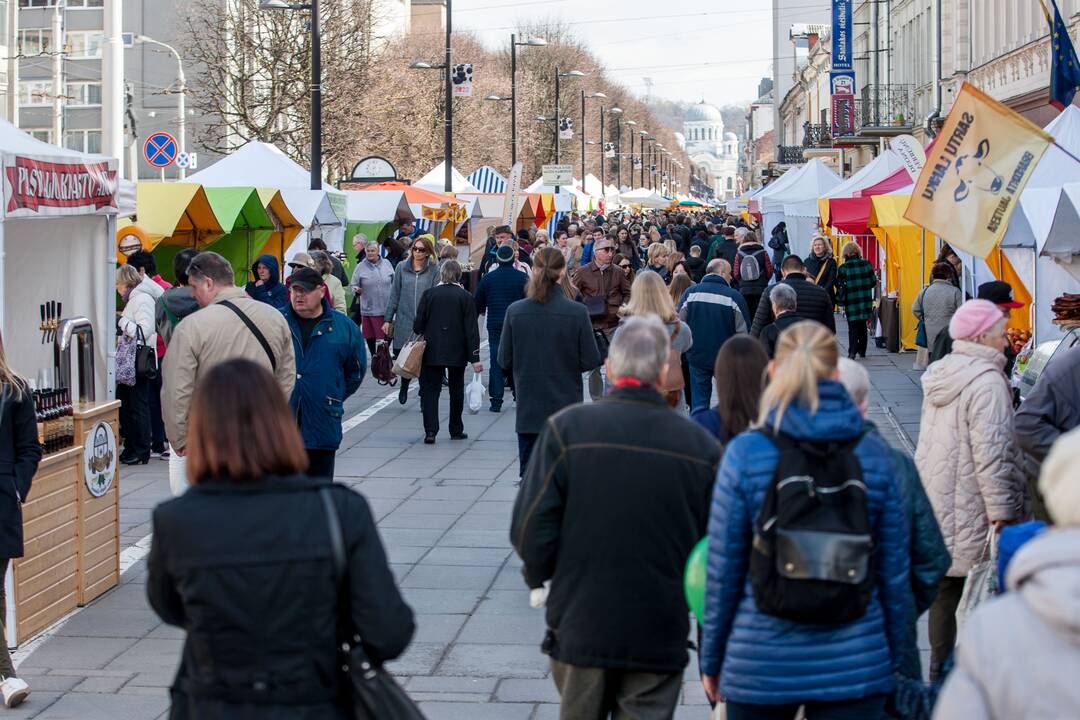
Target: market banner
[566,128]
[450,213]
[513,187]
[461,79]
[609,150]
[975,172]
[35,187]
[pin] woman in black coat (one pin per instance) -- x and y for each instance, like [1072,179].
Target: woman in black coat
[821,267]
[20,454]
[446,317]
[547,343]
[243,562]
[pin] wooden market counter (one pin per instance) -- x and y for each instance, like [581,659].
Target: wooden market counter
[70,526]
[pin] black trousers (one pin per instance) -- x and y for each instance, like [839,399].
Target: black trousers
[526,441]
[871,706]
[157,425]
[135,410]
[752,300]
[942,622]
[431,377]
[321,463]
[856,338]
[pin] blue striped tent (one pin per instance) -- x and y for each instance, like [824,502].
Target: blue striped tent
[487,179]
[553,222]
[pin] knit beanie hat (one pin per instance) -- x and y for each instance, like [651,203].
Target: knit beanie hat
[974,318]
[1057,480]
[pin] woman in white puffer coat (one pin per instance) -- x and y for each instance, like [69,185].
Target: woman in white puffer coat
[1019,654]
[967,455]
[140,296]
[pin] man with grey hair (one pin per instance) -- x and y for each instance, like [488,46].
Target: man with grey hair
[230,325]
[599,517]
[716,311]
[371,281]
[784,301]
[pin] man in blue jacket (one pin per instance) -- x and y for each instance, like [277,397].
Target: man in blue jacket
[714,312]
[330,363]
[496,291]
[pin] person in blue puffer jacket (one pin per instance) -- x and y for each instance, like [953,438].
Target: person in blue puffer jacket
[765,666]
[267,286]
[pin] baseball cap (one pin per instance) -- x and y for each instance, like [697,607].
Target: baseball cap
[307,279]
[504,254]
[1000,293]
[302,259]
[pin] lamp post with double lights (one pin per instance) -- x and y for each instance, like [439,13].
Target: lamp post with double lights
[618,151]
[448,90]
[559,75]
[616,111]
[316,79]
[585,96]
[641,153]
[658,167]
[514,44]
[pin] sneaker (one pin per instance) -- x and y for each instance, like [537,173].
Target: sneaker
[160,454]
[15,691]
[496,407]
[429,439]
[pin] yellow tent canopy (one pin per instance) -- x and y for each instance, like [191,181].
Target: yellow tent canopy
[909,254]
[175,214]
[286,226]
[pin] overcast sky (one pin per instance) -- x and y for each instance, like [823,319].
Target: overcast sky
[690,49]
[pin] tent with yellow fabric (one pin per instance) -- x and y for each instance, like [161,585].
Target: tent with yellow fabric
[909,254]
[170,217]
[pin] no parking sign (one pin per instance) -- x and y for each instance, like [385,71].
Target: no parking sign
[160,149]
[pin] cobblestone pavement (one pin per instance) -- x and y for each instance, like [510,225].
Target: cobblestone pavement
[444,514]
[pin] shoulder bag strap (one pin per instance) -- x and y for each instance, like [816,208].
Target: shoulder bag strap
[254,331]
[821,271]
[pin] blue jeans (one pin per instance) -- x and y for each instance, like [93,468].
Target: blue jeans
[496,382]
[701,381]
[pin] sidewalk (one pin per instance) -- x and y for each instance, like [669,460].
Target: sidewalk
[444,515]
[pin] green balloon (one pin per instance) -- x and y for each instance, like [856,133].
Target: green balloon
[694,581]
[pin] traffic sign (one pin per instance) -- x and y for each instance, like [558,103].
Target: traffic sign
[160,149]
[558,175]
[189,161]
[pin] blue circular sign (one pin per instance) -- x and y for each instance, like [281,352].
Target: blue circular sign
[160,149]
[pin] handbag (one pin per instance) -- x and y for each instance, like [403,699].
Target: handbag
[125,360]
[920,335]
[370,690]
[411,358]
[146,363]
[981,583]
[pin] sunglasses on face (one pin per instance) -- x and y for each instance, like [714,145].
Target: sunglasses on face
[420,248]
[605,249]
[625,266]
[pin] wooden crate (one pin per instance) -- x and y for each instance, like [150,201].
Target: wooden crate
[46,577]
[98,517]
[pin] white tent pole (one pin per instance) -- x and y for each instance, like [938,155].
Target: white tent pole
[112,85]
[1034,295]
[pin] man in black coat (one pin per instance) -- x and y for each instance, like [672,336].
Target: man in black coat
[812,302]
[614,500]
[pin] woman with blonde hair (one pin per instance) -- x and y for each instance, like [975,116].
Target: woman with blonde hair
[821,265]
[658,257]
[855,283]
[767,665]
[20,453]
[649,296]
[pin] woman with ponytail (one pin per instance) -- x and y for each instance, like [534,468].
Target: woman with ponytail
[764,665]
[546,345]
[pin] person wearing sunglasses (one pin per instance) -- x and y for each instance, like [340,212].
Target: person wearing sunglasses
[414,275]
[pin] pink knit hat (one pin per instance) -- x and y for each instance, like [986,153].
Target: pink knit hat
[974,318]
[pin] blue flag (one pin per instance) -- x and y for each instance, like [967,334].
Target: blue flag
[1065,70]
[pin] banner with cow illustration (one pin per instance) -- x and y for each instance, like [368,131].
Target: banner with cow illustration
[975,172]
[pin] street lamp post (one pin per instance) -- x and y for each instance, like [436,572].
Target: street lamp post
[558,109]
[181,104]
[316,80]
[531,42]
[603,163]
[630,124]
[585,96]
[448,92]
[641,154]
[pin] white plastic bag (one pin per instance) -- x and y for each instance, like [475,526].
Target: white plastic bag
[981,583]
[474,393]
[177,474]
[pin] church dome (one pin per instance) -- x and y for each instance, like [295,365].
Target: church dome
[731,136]
[703,112]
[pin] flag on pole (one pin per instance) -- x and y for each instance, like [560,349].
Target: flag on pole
[1065,67]
[975,172]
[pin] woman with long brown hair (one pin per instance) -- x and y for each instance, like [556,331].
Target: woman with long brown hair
[546,344]
[739,375]
[20,452]
[243,562]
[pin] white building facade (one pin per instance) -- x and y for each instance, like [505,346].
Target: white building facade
[712,150]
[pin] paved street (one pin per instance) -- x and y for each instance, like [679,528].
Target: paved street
[444,514]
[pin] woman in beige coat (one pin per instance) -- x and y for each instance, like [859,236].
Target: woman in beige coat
[967,455]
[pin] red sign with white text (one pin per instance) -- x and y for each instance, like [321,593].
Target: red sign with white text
[40,187]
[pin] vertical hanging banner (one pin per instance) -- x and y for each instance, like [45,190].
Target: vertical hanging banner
[462,80]
[975,172]
[566,128]
[609,150]
[842,75]
[513,186]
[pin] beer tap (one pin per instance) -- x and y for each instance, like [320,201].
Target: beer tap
[58,308]
[43,326]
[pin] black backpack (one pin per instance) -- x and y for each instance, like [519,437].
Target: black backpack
[812,553]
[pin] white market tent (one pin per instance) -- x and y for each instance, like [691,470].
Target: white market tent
[593,186]
[584,200]
[57,243]
[487,179]
[883,166]
[262,165]
[795,202]
[644,198]
[1039,232]
[370,206]
[435,181]
[611,197]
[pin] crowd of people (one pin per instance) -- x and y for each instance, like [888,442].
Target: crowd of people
[721,408]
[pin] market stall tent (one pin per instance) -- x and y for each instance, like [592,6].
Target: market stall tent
[796,202]
[644,198]
[487,179]
[435,181]
[376,213]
